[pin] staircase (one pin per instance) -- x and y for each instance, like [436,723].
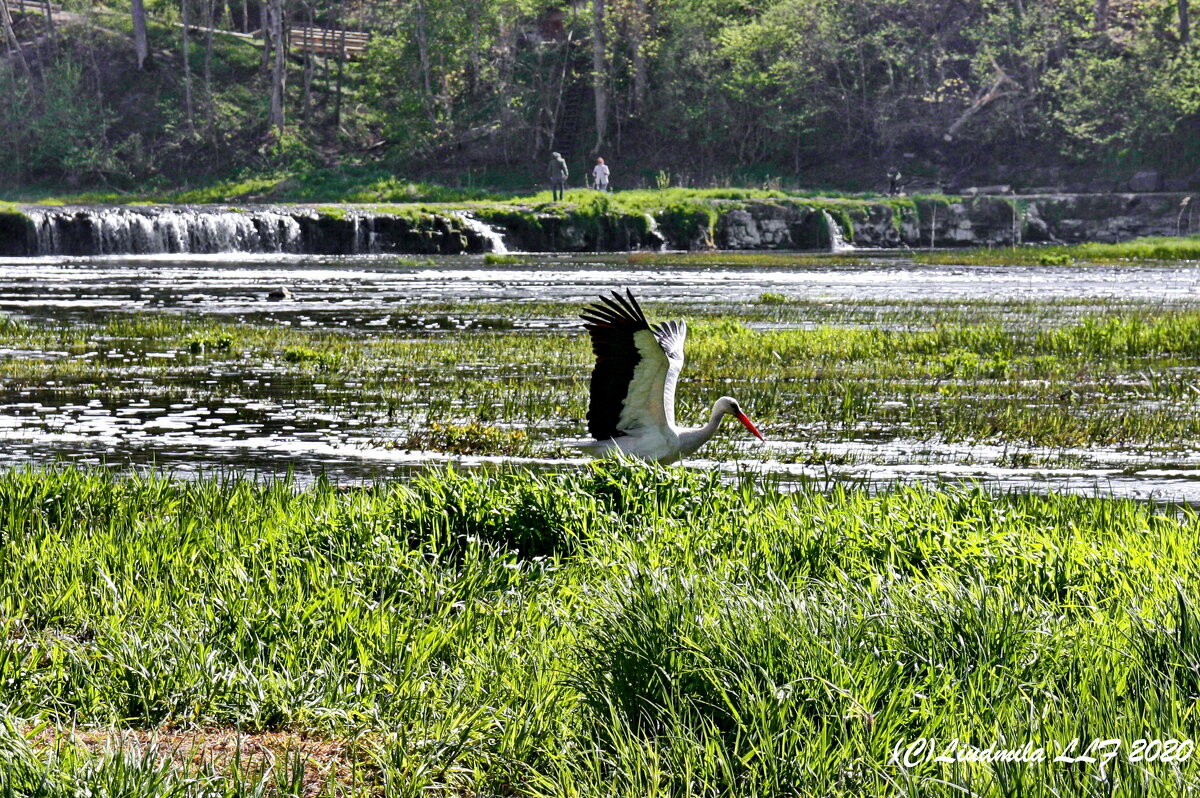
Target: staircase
[573,119]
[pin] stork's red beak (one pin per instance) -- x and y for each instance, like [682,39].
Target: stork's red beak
[748,425]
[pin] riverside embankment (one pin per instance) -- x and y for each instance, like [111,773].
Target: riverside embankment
[594,223]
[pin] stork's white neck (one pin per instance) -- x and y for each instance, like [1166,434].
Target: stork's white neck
[692,439]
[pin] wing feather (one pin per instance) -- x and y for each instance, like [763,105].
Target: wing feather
[637,366]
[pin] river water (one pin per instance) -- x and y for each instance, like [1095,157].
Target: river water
[259,425]
[339,289]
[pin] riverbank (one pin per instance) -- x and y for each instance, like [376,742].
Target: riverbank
[589,221]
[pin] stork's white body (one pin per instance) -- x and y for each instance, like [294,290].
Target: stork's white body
[665,444]
[632,407]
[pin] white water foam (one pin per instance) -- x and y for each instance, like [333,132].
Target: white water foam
[489,233]
[837,241]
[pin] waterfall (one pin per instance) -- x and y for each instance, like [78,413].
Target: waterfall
[490,234]
[837,241]
[654,234]
[154,231]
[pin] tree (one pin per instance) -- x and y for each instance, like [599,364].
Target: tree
[187,66]
[599,73]
[141,43]
[276,30]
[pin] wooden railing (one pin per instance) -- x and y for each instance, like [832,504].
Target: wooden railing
[33,5]
[327,41]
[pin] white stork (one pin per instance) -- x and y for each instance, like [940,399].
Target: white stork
[632,407]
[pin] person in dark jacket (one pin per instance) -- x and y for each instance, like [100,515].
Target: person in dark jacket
[558,176]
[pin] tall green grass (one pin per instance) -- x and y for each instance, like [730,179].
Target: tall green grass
[617,630]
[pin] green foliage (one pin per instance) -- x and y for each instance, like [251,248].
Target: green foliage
[686,222]
[621,629]
[324,360]
[782,88]
[1149,249]
[219,342]
[472,438]
[56,128]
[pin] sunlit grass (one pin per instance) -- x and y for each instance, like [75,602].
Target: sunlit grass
[614,630]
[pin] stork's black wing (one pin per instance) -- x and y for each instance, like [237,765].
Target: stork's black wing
[633,382]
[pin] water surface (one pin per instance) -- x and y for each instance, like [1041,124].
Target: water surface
[255,417]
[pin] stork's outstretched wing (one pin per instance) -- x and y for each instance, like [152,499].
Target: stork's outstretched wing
[637,366]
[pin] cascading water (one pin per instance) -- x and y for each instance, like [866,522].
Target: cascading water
[489,234]
[153,231]
[837,241]
[654,234]
[89,231]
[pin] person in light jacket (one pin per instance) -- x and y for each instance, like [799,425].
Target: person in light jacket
[600,175]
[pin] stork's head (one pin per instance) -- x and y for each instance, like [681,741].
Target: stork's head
[730,406]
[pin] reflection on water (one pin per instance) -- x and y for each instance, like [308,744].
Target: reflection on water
[226,416]
[352,291]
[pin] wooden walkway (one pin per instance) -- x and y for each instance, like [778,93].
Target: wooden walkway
[35,6]
[328,41]
[321,41]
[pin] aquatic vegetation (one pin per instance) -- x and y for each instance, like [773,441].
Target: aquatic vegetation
[618,628]
[304,354]
[222,342]
[473,438]
[1014,372]
[757,259]
[1152,249]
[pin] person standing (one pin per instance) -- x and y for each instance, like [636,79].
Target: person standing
[558,176]
[600,175]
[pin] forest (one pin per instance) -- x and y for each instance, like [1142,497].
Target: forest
[176,93]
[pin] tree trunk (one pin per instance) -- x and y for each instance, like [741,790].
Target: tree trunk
[208,50]
[1185,23]
[308,60]
[279,65]
[982,100]
[423,52]
[638,43]
[474,56]
[141,44]
[264,19]
[187,67]
[599,89]
[1101,16]
[49,13]
[10,36]
[341,59]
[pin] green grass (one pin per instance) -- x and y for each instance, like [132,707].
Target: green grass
[757,259]
[1141,249]
[616,630]
[376,184]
